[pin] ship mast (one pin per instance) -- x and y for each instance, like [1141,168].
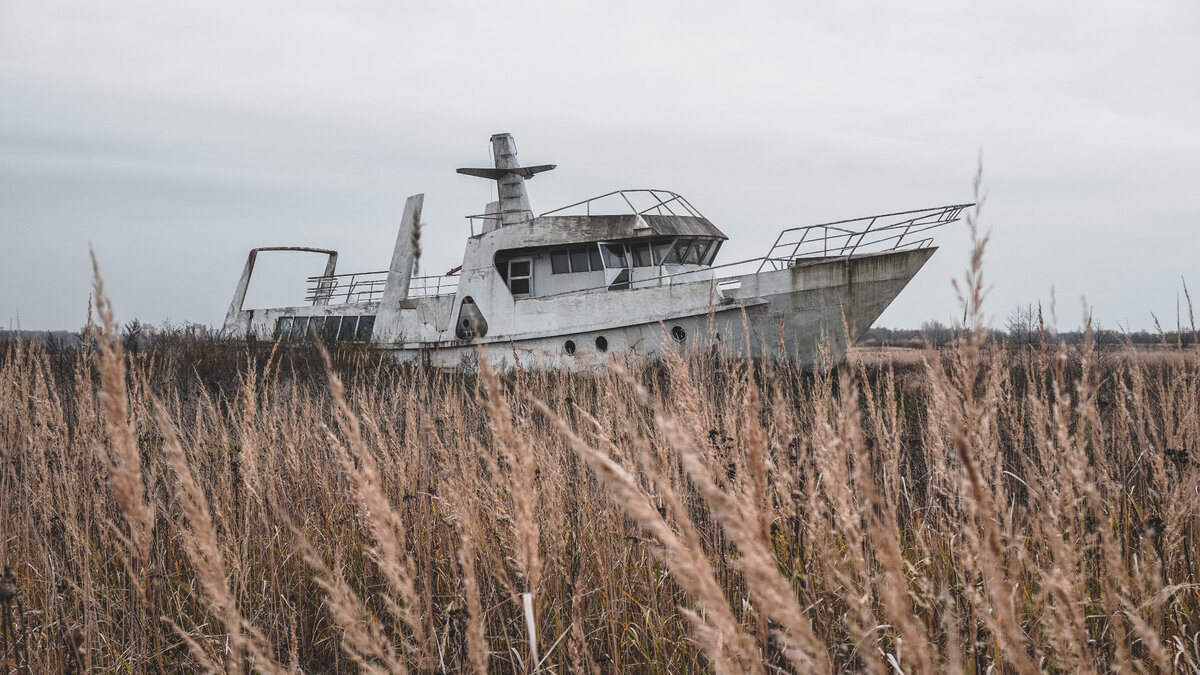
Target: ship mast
[510,176]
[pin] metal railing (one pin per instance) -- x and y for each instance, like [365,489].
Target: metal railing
[369,286]
[659,202]
[838,240]
[873,234]
[640,201]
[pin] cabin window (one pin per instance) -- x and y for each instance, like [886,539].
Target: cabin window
[520,276]
[692,257]
[329,331]
[661,250]
[614,256]
[299,326]
[366,324]
[346,330]
[678,251]
[579,260]
[560,262]
[700,250]
[327,328]
[640,254]
[576,260]
[714,245]
[315,325]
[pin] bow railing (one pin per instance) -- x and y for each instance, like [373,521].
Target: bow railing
[899,231]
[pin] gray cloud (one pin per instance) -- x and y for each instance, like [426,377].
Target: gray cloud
[174,136]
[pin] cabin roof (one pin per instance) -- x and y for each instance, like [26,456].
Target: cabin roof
[567,230]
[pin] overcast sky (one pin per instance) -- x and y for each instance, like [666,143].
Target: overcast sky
[175,136]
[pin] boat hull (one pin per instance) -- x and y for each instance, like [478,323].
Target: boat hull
[805,312]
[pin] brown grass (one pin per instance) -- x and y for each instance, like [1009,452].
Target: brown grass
[961,510]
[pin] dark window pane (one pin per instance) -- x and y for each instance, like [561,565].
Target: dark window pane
[299,326]
[597,261]
[679,252]
[282,327]
[614,256]
[691,258]
[365,325]
[519,286]
[660,251]
[346,332]
[518,268]
[329,331]
[560,262]
[700,250]
[579,260]
[315,324]
[640,254]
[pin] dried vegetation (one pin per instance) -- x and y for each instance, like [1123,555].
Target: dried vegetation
[975,508]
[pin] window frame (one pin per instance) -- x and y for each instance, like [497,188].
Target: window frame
[563,255]
[528,278]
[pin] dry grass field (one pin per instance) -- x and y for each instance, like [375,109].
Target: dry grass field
[242,509]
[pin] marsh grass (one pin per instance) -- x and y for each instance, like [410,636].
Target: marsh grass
[236,509]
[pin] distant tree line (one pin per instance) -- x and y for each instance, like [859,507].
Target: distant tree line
[1025,327]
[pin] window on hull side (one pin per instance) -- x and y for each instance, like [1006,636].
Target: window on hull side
[327,328]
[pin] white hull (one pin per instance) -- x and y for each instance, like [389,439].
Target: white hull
[793,313]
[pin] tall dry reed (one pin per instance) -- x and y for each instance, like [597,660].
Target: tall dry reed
[965,510]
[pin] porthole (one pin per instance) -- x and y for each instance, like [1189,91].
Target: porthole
[569,347]
[601,343]
[678,333]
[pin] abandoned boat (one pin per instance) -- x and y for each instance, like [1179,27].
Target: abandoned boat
[629,272]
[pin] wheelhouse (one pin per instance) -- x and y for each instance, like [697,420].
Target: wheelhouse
[603,265]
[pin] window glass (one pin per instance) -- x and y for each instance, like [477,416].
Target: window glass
[282,327]
[640,255]
[597,261]
[614,256]
[299,326]
[315,324]
[346,331]
[712,252]
[661,250]
[579,260]
[701,250]
[519,286]
[691,258]
[560,262]
[329,331]
[679,252]
[365,325]
[518,268]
